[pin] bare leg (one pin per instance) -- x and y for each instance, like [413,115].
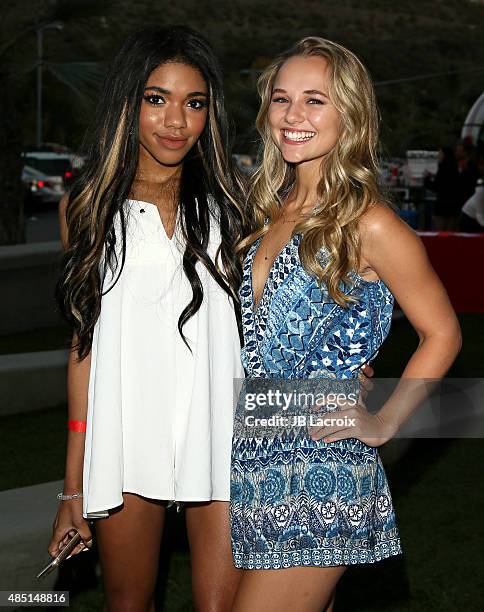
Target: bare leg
[297,589]
[129,548]
[214,577]
[330,605]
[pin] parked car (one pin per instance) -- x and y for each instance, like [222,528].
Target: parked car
[46,172]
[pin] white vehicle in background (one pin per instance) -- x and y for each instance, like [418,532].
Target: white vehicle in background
[45,174]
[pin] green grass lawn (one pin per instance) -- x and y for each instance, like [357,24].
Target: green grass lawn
[437,486]
[438,495]
[28,458]
[403,340]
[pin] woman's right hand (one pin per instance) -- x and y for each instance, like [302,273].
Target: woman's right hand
[68,520]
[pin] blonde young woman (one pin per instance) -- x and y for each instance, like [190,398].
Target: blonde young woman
[322,268]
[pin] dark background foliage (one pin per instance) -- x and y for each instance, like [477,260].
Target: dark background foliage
[439,42]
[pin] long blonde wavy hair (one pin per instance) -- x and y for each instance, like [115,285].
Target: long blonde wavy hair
[348,184]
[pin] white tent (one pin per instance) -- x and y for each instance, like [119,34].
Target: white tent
[474,123]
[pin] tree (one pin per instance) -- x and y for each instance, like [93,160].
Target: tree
[18,26]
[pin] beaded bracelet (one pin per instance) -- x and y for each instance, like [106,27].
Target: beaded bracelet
[73,496]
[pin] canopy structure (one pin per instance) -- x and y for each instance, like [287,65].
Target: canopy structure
[473,127]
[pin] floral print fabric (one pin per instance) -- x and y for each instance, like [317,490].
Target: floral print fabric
[296,501]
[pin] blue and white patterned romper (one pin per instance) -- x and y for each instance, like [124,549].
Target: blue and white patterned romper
[297,501]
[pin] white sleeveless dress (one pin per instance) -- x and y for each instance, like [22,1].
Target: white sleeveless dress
[159,419]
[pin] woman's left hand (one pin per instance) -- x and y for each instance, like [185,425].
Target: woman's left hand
[354,422]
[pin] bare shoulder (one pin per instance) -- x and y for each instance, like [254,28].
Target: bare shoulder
[387,242]
[395,254]
[380,226]
[63,220]
[63,204]
[379,220]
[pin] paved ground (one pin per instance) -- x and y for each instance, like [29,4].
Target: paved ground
[42,226]
[26,517]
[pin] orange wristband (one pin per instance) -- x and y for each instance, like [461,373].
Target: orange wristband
[79,426]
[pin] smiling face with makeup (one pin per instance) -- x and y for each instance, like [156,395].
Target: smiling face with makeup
[304,123]
[173,114]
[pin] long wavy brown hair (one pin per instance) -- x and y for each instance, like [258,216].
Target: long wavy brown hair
[348,184]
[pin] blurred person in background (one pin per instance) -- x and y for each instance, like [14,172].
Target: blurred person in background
[445,183]
[470,192]
[472,214]
[468,170]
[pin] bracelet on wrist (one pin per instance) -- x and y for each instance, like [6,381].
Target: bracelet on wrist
[65,497]
[79,426]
